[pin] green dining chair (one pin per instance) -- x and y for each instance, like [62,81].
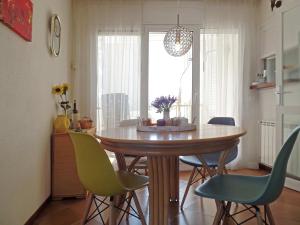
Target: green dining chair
[99,178]
[212,159]
[137,163]
[250,190]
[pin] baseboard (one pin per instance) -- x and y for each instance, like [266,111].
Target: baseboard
[269,169]
[292,184]
[264,167]
[291,181]
[31,220]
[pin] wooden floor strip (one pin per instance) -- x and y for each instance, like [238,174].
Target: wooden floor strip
[196,211]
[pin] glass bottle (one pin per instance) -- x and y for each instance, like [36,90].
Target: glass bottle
[75,116]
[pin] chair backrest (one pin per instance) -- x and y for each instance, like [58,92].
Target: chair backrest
[276,180]
[223,121]
[115,108]
[131,122]
[93,166]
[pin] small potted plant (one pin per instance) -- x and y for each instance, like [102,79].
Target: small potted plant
[164,104]
[62,122]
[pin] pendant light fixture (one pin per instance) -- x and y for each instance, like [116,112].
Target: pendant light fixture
[178,39]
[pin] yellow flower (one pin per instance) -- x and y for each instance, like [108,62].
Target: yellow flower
[57,90]
[65,87]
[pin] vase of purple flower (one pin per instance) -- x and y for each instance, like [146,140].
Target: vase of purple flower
[164,104]
[166,115]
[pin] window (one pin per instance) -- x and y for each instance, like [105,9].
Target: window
[118,81]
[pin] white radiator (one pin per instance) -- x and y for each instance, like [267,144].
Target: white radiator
[267,142]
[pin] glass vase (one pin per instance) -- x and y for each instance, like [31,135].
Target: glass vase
[166,115]
[61,124]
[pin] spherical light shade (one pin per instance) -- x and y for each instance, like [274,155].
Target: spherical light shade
[178,41]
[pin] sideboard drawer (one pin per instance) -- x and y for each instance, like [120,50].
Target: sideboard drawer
[64,178]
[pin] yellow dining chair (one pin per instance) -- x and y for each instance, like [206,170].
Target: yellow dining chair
[99,178]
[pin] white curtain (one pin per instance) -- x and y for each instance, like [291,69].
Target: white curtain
[107,59]
[118,92]
[220,80]
[227,54]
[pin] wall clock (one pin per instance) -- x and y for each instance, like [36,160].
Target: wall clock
[55,35]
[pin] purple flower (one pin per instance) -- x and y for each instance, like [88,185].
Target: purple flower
[163,103]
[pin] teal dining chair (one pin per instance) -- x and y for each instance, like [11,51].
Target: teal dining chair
[250,190]
[212,159]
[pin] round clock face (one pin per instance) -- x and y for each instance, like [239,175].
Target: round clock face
[55,35]
[57,27]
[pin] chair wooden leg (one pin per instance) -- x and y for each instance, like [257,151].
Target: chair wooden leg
[133,163]
[113,214]
[227,213]
[130,195]
[203,174]
[225,170]
[269,215]
[139,209]
[258,217]
[219,214]
[188,187]
[89,201]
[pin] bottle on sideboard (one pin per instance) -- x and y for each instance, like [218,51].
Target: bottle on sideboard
[75,116]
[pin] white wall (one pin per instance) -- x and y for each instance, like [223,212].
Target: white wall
[27,108]
[267,104]
[269,43]
[164,12]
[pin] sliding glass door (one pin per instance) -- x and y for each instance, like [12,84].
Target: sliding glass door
[169,75]
[206,81]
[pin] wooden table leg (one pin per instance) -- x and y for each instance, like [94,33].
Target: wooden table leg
[174,179]
[159,189]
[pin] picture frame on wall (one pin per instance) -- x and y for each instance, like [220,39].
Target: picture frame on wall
[0,10]
[17,15]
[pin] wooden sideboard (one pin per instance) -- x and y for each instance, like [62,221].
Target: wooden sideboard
[64,179]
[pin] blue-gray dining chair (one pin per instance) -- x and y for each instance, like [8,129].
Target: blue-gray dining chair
[199,172]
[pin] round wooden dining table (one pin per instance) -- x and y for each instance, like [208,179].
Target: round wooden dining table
[163,150]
